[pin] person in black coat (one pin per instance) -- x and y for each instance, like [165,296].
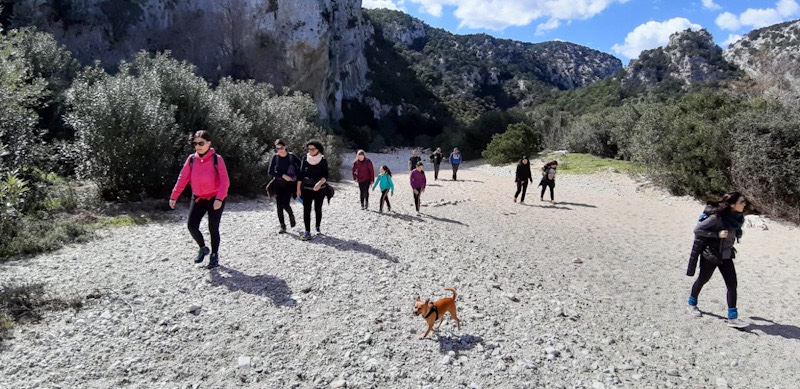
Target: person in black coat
[436,159]
[522,178]
[312,185]
[283,168]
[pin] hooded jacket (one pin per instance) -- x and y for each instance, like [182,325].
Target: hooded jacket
[385,182]
[455,158]
[363,171]
[523,173]
[707,242]
[207,181]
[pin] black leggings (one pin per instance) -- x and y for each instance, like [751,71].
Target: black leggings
[197,210]
[309,196]
[436,171]
[417,200]
[522,186]
[364,188]
[455,171]
[283,192]
[385,198]
[545,185]
[728,272]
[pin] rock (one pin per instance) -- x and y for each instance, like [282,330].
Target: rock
[501,366]
[608,341]
[673,372]
[243,362]
[722,383]
[445,360]
[194,309]
[339,384]
[106,315]
[657,334]
[512,297]
[577,260]
[451,353]
[636,377]
[138,301]
[598,385]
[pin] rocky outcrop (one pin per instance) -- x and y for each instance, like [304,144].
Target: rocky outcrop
[770,56]
[690,57]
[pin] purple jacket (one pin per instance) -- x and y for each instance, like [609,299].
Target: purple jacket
[418,179]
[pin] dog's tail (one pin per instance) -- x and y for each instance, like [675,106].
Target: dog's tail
[452,290]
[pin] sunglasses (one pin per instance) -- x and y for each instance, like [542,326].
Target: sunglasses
[279,148]
[312,149]
[201,144]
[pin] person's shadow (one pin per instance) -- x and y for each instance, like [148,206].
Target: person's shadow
[441,219]
[352,245]
[465,342]
[775,329]
[551,206]
[577,204]
[404,217]
[263,285]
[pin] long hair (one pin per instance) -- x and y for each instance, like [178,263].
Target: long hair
[551,164]
[386,169]
[524,157]
[726,202]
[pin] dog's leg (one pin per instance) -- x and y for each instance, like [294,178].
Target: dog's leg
[453,314]
[430,327]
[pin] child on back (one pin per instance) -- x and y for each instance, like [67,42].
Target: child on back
[386,184]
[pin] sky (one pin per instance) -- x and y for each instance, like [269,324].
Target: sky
[622,28]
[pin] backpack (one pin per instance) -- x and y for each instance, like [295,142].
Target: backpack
[213,156]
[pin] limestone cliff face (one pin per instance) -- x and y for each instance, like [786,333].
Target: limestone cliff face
[770,55]
[316,46]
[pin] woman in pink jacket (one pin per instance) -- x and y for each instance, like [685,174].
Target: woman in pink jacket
[205,171]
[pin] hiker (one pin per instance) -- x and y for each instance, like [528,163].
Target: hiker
[205,171]
[455,161]
[364,175]
[522,177]
[548,179]
[436,159]
[312,185]
[713,244]
[386,184]
[283,168]
[412,162]
[418,184]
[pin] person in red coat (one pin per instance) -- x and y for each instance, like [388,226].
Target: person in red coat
[364,175]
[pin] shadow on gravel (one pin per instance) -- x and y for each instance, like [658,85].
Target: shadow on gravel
[551,206]
[459,343]
[264,285]
[460,180]
[775,329]
[408,218]
[441,219]
[352,245]
[577,204]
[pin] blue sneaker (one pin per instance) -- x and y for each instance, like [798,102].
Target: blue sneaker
[201,255]
[306,236]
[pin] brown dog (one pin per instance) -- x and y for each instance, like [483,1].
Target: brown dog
[436,310]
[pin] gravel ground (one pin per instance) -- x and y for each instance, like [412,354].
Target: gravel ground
[337,311]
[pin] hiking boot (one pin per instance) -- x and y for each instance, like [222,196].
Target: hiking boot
[201,255]
[213,261]
[292,222]
[736,323]
[283,229]
[694,311]
[515,199]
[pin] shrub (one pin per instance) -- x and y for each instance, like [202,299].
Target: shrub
[26,303]
[518,140]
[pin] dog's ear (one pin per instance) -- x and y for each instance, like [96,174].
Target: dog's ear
[427,301]
[417,298]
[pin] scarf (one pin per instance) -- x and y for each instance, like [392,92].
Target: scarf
[732,219]
[314,160]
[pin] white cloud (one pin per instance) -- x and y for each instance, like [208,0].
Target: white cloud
[389,4]
[499,14]
[757,18]
[710,4]
[547,26]
[651,35]
[732,38]
[728,21]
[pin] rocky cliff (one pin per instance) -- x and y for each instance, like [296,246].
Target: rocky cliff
[770,56]
[690,58]
[316,46]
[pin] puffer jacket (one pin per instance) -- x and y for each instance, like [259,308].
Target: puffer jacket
[707,243]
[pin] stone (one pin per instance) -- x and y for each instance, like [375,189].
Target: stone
[722,383]
[339,384]
[577,260]
[445,360]
[243,362]
[194,308]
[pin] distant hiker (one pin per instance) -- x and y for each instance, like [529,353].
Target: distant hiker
[364,175]
[386,184]
[436,159]
[455,161]
[412,162]
[714,237]
[418,184]
[548,179]
[312,185]
[205,171]
[522,177]
[283,168]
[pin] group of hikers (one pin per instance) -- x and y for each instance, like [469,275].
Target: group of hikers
[719,227]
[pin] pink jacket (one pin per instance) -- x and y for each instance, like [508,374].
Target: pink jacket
[205,181]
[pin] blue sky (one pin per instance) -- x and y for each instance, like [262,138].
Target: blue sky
[619,27]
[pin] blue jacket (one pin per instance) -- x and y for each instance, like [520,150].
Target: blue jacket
[385,182]
[455,158]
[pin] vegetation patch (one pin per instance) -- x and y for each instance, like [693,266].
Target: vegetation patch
[22,303]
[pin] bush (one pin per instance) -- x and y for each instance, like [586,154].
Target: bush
[765,162]
[518,140]
[26,303]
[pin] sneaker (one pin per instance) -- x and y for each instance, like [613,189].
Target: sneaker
[694,311]
[213,261]
[389,209]
[736,323]
[282,230]
[318,232]
[521,203]
[515,199]
[201,255]
[306,236]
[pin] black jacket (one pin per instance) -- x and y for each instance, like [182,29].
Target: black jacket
[413,162]
[707,243]
[437,158]
[279,166]
[310,174]
[523,173]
